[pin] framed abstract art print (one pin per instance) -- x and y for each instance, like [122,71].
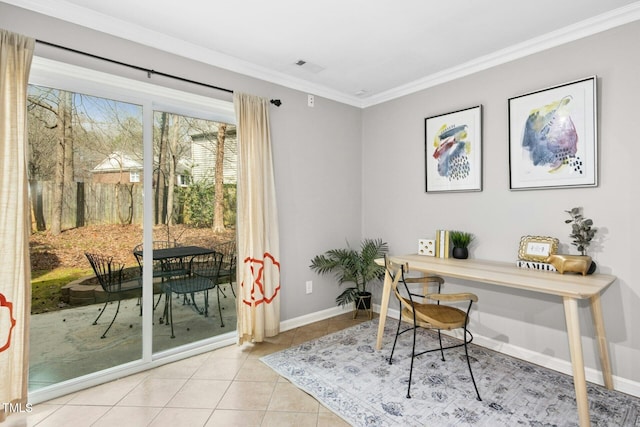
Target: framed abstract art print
[453,151]
[553,137]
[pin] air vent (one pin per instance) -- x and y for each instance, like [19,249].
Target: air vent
[308,66]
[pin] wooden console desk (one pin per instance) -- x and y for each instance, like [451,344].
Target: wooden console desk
[570,287]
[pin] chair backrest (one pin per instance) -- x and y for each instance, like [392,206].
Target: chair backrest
[429,314]
[108,272]
[207,266]
[395,271]
[203,275]
[229,259]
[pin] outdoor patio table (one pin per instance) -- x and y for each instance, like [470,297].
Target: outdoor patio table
[176,252]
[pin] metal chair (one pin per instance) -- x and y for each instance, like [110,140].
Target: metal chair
[229,262]
[416,309]
[162,269]
[202,276]
[111,280]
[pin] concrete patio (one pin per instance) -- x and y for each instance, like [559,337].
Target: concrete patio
[65,344]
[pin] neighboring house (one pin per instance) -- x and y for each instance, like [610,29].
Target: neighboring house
[203,157]
[118,167]
[123,168]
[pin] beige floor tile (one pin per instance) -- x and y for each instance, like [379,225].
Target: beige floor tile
[128,416]
[106,394]
[199,394]
[249,395]
[235,418]
[287,397]
[289,419]
[153,392]
[181,417]
[255,370]
[264,348]
[27,419]
[219,369]
[182,369]
[329,419]
[232,352]
[76,416]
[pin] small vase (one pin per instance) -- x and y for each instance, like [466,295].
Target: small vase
[460,253]
[592,267]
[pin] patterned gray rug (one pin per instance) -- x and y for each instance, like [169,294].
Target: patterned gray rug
[347,375]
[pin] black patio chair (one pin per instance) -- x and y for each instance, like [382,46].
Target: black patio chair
[202,276]
[162,269]
[229,263]
[111,279]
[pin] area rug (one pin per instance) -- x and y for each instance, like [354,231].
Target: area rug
[347,375]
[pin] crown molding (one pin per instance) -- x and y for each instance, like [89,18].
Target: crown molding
[69,12]
[565,35]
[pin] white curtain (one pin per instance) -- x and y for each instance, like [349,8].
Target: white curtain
[258,302]
[16,52]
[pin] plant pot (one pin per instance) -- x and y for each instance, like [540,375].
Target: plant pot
[363,301]
[460,253]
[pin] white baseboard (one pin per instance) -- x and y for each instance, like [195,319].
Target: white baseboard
[313,317]
[623,385]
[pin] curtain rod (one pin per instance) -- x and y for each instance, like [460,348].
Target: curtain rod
[149,72]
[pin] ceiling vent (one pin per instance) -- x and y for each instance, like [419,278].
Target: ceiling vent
[308,66]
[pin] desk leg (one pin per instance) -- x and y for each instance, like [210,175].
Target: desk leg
[577,361]
[598,322]
[384,306]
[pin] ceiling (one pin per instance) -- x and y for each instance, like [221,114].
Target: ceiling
[360,52]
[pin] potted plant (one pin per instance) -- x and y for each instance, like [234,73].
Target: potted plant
[582,232]
[353,266]
[461,241]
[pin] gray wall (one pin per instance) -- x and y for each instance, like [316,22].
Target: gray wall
[396,207]
[317,151]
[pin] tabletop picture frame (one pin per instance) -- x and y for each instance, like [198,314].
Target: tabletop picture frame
[453,151]
[537,248]
[553,137]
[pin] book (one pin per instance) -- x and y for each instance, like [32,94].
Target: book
[535,265]
[442,243]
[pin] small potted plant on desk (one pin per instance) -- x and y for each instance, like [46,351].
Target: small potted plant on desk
[461,241]
[582,232]
[352,266]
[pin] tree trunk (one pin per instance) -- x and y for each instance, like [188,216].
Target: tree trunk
[218,207]
[63,127]
[161,170]
[171,181]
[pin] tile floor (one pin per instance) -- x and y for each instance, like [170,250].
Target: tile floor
[226,387]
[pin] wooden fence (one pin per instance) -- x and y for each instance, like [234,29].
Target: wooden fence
[87,204]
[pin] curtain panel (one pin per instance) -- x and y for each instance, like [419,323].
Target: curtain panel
[16,53]
[258,302]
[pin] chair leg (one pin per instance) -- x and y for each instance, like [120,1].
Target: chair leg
[396,339]
[104,335]
[466,353]
[171,314]
[440,341]
[95,322]
[219,308]
[413,355]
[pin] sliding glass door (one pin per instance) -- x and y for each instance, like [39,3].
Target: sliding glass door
[121,174]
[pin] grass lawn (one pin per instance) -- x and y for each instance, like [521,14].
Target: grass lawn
[46,285]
